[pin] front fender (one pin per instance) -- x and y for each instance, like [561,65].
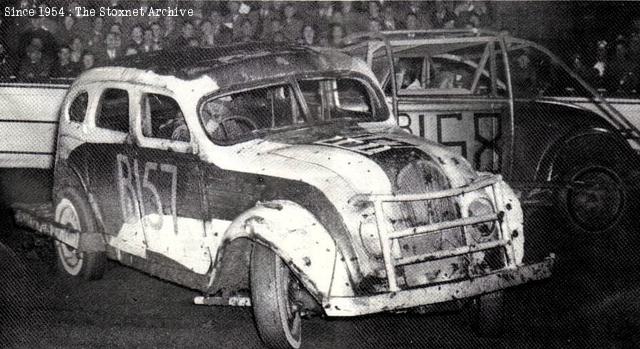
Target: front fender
[295,235]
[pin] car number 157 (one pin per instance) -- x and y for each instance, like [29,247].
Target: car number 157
[134,192]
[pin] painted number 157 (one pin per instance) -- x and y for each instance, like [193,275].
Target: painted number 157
[135,191]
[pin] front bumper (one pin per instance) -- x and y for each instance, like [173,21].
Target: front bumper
[354,306]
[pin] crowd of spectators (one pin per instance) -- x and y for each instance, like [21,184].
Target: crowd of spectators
[63,46]
[612,66]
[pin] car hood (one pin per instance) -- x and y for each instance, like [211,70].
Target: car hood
[371,160]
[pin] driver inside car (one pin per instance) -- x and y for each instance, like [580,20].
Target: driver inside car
[221,123]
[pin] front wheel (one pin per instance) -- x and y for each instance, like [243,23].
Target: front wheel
[73,211]
[274,295]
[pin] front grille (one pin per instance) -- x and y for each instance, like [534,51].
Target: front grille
[425,238]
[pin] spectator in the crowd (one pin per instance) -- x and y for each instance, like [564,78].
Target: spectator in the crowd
[600,67]
[523,75]
[422,20]
[411,23]
[220,31]
[96,37]
[246,31]
[64,68]
[34,67]
[262,18]
[88,61]
[119,20]
[77,49]
[621,75]
[274,28]
[323,17]
[352,19]
[234,18]
[389,18]
[47,23]
[68,30]
[336,35]
[375,26]
[292,25]
[187,32]
[207,37]
[197,17]
[148,44]
[443,15]
[308,35]
[136,37]
[578,66]
[111,51]
[6,68]
[115,28]
[170,35]
[373,10]
[474,10]
[156,30]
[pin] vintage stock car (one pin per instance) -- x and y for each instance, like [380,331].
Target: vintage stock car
[512,107]
[277,169]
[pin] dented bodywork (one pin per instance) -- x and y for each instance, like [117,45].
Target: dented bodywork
[367,217]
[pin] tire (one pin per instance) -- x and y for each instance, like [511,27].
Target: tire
[273,292]
[594,200]
[488,314]
[73,210]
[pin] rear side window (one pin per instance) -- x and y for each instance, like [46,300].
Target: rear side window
[78,108]
[113,113]
[162,118]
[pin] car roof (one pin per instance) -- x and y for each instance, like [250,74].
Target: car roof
[232,64]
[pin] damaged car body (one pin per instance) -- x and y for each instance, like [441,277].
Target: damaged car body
[279,170]
[510,106]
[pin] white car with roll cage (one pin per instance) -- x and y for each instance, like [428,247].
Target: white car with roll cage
[276,169]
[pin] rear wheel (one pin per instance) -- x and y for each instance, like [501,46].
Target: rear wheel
[594,199]
[488,314]
[274,295]
[73,211]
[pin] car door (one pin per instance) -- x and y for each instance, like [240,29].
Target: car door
[107,150]
[168,183]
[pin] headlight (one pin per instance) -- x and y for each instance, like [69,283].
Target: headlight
[369,233]
[481,232]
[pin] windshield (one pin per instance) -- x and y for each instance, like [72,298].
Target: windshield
[250,113]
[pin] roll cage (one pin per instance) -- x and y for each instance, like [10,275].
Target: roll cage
[395,44]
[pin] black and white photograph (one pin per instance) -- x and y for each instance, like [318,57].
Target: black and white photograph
[319,174]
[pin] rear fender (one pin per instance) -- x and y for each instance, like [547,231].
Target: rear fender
[68,175]
[294,234]
[550,162]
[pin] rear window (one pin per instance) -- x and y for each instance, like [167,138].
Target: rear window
[113,113]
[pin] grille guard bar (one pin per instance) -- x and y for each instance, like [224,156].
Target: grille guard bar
[387,235]
[439,293]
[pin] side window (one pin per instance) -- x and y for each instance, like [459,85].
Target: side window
[535,74]
[78,108]
[449,69]
[162,118]
[329,99]
[113,113]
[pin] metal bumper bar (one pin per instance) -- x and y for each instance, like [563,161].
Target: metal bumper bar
[354,306]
